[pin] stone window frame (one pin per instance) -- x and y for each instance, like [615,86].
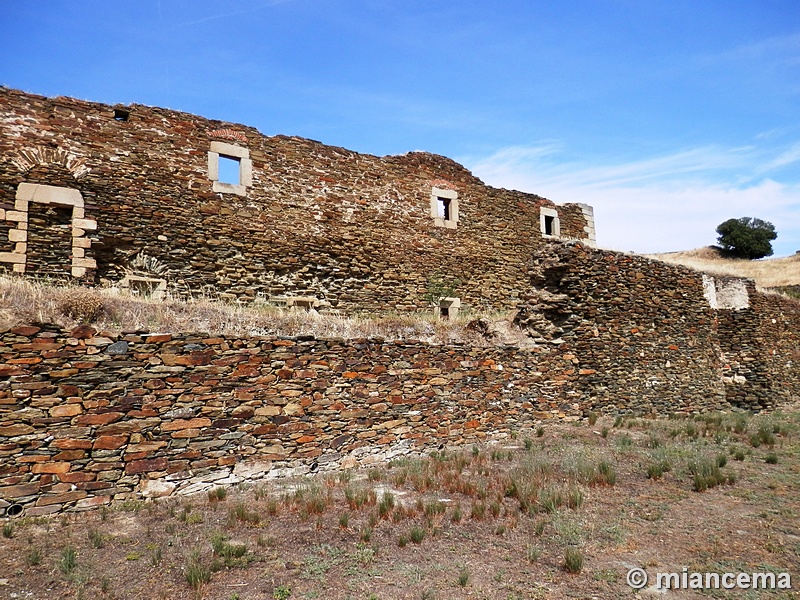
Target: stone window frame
[451,197]
[544,213]
[447,308]
[48,194]
[237,153]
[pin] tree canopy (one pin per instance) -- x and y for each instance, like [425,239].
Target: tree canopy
[747,237]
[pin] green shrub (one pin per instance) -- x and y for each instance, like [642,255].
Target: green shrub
[68,560]
[573,560]
[416,535]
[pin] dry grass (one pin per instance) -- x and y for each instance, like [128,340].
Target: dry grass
[24,301]
[767,273]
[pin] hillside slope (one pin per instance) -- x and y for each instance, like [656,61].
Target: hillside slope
[767,273]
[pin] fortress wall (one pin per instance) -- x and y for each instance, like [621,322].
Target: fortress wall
[351,229]
[87,417]
[648,331]
[761,347]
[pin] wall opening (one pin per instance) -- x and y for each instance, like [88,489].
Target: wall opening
[549,225]
[121,115]
[444,208]
[549,222]
[229,167]
[49,240]
[50,233]
[448,308]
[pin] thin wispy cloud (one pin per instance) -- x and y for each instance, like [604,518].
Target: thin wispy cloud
[661,203]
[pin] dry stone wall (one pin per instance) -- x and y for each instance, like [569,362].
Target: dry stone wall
[354,231]
[87,416]
[649,340]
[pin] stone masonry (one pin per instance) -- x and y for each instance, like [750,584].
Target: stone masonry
[354,232]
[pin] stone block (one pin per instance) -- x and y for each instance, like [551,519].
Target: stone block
[17,235]
[12,257]
[61,498]
[179,424]
[86,224]
[156,488]
[15,430]
[88,263]
[51,467]
[146,465]
[66,410]
[49,194]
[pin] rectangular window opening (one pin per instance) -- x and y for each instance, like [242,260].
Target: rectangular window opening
[443,208]
[121,115]
[229,171]
[549,223]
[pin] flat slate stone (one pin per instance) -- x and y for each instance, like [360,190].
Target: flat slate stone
[120,347]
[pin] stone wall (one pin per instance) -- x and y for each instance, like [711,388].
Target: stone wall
[87,417]
[649,334]
[352,230]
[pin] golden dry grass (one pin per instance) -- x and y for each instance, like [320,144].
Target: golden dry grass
[767,273]
[24,301]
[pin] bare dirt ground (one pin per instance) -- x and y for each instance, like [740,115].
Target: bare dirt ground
[562,512]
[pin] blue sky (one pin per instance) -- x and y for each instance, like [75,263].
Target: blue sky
[668,116]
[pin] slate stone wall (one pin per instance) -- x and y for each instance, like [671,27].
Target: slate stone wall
[353,230]
[647,331]
[87,417]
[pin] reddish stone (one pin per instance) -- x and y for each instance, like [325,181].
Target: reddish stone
[186,433]
[189,454]
[92,502]
[158,338]
[72,444]
[70,455]
[305,439]
[83,332]
[225,461]
[62,373]
[99,419]
[31,360]
[61,498]
[110,442]
[26,330]
[178,424]
[18,491]
[146,465]
[76,477]
[66,410]
[472,424]
[51,467]
[15,430]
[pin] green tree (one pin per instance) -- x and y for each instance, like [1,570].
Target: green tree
[747,237]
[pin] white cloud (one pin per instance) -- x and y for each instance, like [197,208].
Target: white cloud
[663,203]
